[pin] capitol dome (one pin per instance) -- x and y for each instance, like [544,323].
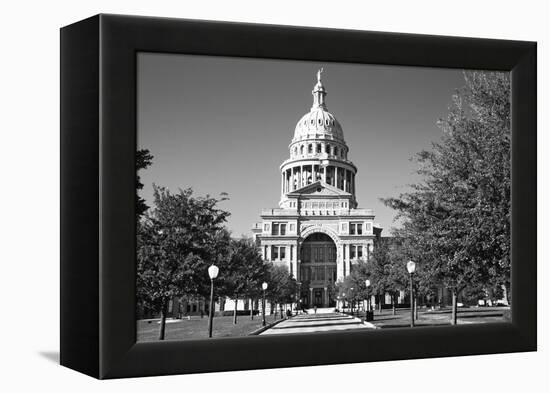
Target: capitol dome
[319,122]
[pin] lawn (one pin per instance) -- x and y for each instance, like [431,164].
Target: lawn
[438,317]
[197,327]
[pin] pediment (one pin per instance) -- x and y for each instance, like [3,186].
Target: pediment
[320,189]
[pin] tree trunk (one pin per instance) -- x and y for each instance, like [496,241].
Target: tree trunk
[455,308]
[251,309]
[235,310]
[163,311]
[380,305]
[393,304]
[416,307]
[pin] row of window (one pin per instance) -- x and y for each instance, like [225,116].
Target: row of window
[312,254]
[323,205]
[318,253]
[320,122]
[318,148]
[356,228]
[318,273]
[279,228]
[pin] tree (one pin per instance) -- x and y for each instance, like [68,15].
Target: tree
[458,217]
[353,288]
[244,273]
[177,240]
[143,160]
[282,286]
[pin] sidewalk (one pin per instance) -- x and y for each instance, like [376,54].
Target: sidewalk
[320,322]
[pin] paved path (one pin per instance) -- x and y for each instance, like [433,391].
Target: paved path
[321,322]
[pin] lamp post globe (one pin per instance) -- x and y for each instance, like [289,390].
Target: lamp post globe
[264,287]
[411,267]
[212,273]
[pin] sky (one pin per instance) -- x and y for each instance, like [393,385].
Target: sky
[222,124]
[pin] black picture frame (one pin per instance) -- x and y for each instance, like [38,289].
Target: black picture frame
[98,144]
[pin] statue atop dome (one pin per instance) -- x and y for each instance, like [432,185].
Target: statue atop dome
[319,75]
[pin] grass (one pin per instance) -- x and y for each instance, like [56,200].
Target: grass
[440,317]
[196,328]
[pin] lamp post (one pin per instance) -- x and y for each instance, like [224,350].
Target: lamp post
[367,284]
[264,287]
[352,299]
[213,273]
[411,266]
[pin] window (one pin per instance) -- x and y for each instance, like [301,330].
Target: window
[318,148]
[369,227]
[291,228]
[355,252]
[355,228]
[266,227]
[335,151]
[278,253]
[310,148]
[302,149]
[327,149]
[278,228]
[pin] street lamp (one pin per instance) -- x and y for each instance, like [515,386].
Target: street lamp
[264,287]
[411,266]
[367,284]
[352,299]
[213,273]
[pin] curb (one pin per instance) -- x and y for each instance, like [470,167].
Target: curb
[264,328]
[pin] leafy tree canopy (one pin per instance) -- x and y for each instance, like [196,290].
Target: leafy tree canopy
[456,222]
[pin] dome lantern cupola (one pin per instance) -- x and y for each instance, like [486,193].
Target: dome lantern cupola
[319,93]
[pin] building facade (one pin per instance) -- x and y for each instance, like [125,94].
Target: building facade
[317,232]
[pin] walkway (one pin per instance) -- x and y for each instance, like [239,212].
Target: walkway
[321,322]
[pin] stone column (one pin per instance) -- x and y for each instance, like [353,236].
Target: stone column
[339,262]
[348,260]
[345,179]
[301,183]
[336,176]
[294,261]
[325,174]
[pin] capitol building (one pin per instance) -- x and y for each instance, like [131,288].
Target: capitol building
[317,232]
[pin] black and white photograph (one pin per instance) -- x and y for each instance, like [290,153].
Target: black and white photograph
[270,197]
[279,197]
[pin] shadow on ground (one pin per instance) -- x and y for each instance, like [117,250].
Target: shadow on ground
[52,356]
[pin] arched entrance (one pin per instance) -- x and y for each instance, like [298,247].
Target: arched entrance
[318,271]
